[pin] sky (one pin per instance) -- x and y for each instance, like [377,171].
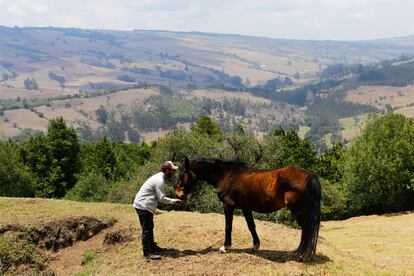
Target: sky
[293,19]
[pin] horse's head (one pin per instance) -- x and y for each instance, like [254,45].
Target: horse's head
[186,181]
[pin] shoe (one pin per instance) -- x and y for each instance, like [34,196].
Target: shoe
[153,257]
[157,249]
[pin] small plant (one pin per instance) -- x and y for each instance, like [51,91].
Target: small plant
[88,256]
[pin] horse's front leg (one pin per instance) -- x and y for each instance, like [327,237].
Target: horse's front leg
[228,213]
[248,215]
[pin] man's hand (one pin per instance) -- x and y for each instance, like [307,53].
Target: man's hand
[179,202]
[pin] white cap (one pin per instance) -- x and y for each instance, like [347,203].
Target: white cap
[169,164]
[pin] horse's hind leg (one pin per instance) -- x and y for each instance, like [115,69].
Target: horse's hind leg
[248,215]
[228,214]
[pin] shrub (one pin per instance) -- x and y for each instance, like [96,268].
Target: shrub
[90,187]
[15,252]
[283,216]
[333,206]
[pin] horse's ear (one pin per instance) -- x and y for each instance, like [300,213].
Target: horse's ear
[186,162]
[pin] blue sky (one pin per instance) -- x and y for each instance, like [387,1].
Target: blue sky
[297,19]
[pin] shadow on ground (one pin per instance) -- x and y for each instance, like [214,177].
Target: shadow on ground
[271,255]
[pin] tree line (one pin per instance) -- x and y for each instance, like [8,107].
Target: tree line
[374,175]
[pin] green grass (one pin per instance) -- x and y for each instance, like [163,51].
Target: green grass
[88,256]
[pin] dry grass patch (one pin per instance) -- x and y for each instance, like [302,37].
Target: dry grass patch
[217,94]
[24,118]
[7,129]
[13,93]
[302,131]
[386,241]
[275,62]
[352,127]
[380,96]
[406,111]
[365,245]
[110,101]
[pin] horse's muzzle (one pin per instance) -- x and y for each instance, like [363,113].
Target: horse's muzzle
[179,193]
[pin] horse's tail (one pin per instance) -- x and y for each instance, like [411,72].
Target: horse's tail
[309,219]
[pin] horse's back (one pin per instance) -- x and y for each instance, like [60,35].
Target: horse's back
[268,190]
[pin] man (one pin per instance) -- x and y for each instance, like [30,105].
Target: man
[145,203]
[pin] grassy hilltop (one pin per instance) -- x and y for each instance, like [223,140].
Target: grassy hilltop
[362,245]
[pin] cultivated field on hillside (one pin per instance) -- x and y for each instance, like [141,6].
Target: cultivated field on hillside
[73,110]
[385,98]
[79,110]
[217,94]
[381,96]
[363,245]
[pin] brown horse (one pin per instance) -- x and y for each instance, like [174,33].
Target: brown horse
[264,191]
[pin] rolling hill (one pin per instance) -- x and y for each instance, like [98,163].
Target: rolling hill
[100,58]
[48,72]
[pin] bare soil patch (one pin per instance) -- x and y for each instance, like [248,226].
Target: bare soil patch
[49,238]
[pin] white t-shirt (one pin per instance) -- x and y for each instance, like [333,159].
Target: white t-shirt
[152,192]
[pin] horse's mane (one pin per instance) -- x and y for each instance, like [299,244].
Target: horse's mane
[221,163]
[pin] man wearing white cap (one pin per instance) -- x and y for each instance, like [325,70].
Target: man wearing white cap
[145,203]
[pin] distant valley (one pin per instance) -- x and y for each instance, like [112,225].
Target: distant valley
[136,85]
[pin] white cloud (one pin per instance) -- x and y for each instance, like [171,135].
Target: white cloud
[359,16]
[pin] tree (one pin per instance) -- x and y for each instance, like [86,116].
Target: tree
[60,79]
[102,115]
[5,77]
[329,163]
[15,177]
[129,157]
[295,151]
[65,149]
[205,125]
[31,84]
[379,169]
[35,153]
[116,131]
[133,135]
[329,170]
[53,158]
[91,186]
[245,147]
[99,158]
[296,76]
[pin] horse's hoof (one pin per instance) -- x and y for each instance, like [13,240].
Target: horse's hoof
[255,247]
[224,249]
